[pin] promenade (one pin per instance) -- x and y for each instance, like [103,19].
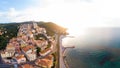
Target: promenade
[61,60]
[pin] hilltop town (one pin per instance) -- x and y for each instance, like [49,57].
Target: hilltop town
[31,48]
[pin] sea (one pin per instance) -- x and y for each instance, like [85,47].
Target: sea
[98,48]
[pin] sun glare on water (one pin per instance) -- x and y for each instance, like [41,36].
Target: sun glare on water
[77,31]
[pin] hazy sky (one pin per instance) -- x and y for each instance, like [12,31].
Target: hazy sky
[69,13]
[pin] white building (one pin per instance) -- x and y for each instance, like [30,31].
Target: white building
[35,25]
[28,49]
[31,56]
[5,54]
[20,59]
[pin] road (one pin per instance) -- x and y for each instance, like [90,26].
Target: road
[61,60]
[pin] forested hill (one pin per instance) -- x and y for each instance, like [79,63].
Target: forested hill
[10,30]
[53,28]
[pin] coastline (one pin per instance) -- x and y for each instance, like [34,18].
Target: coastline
[61,60]
[63,63]
[66,63]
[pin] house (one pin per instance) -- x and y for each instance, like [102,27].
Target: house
[30,34]
[30,52]
[28,49]
[33,31]
[39,30]
[26,66]
[45,63]
[31,56]
[5,54]
[45,52]
[42,44]
[10,47]
[20,59]
[43,30]
[23,45]
[35,25]
[49,57]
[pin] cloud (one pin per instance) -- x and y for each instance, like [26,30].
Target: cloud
[12,13]
[69,13]
[8,15]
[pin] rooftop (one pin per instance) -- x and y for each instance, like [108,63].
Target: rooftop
[44,62]
[10,46]
[49,57]
[44,51]
[28,47]
[19,57]
[26,66]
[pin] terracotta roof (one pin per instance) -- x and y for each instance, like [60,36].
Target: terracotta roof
[19,57]
[44,62]
[27,66]
[26,48]
[49,57]
[9,46]
[44,51]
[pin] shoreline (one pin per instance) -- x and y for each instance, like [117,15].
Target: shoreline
[61,47]
[66,63]
[61,60]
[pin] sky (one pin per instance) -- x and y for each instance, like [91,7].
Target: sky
[76,14]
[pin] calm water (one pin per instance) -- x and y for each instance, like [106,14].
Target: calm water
[99,48]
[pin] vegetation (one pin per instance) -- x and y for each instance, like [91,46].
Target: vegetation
[49,45]
[40,36]
[38,50]
[9,31]
[53,28]
[55,62]
[3,42]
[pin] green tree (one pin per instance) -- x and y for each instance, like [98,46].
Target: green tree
[38,50]
[3,42]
